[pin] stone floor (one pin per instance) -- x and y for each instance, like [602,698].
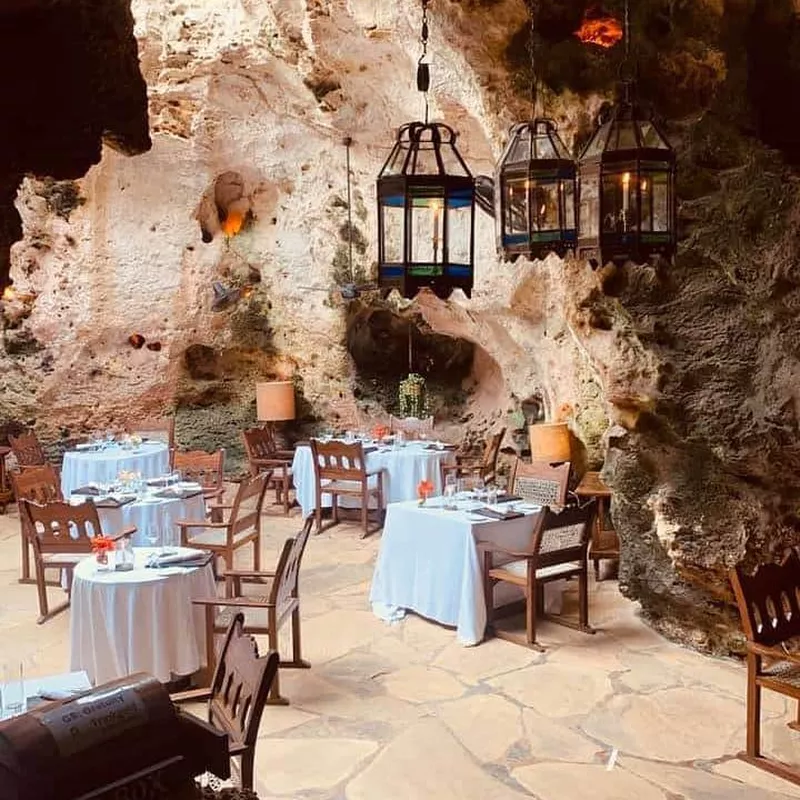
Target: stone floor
[403,711]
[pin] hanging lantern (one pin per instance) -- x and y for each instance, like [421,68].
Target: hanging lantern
[627,203]
[537,193]
[426,206]
[536,184]
[627,190]
[426,213]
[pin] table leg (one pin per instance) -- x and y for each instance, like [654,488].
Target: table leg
[598,532]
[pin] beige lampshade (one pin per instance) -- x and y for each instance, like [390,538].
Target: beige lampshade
[275,401]
[550,441]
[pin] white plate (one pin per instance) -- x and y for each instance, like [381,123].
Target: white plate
[152,499]
[188,485]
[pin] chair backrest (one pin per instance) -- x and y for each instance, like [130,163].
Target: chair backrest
[338,461]
[412,426]
[259,443]
[60,527]
[564,534]
[247,504]
[769,601]
[285,584]
[39,484]
[27,450]
[540,482]
[240,685]
[490,453]
[161,429]
[207,469]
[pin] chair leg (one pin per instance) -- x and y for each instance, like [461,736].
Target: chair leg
[297,661]
[318,513]
[274,697]
[597,569]
[583,602]
[41,588]
[257,552]
[246,766]
[530,613]
[753,707]
[26,559]
[365,512]
[285,494]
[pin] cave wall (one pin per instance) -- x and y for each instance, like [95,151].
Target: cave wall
[141,287]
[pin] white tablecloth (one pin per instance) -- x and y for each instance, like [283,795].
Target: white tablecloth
[158,514]
[143,620]
[429,563]
[404,468]
[82,467]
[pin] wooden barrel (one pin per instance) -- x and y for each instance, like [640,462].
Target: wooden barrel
[68,749]
[549,441]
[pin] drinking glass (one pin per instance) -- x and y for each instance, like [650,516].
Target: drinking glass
[153,536]
[13,690]
[460,486]
[480,489]
[449,490]
[491,496]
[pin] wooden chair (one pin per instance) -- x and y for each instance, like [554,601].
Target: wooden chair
[242,527]
[484,467]
[160,429]
[263,454]
[237,694]
[540,482]
[61,535]
[39,485]
[558,550]
[411,426]
[27,449]
[769,606]
[207,469]
[280,603]
[343,467]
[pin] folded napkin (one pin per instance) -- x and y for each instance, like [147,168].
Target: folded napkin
[115,502]
[175,492]
[196,558]
[156,482]
[87,490]
[494,514]
[509,498]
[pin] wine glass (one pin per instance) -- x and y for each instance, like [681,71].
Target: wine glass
[449,490]
[480,489]
[153,536]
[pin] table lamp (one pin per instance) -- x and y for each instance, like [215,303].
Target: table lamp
[275,402]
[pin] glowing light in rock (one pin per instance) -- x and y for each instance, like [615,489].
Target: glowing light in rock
[599,29]
[232,224]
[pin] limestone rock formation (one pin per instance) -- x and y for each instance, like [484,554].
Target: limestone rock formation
[174,281]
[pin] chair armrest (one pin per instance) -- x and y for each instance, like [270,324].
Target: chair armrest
[123,534]
[201,523]
[233,602]
[273,462]
[495,548]
[375,472]
[191,695]
[247,573]
[773,652]
[287,455]
[236,748]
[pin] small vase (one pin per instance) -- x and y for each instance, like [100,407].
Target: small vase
[102,561]
[422,500]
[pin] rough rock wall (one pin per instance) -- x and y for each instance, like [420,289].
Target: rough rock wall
[686,375]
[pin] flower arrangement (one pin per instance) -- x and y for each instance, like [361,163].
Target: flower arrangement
[101,547]
[424,490]
[380,431]
[411,396]
[135,439]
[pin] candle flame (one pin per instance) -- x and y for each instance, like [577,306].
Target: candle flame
[542,210]
[644,185]
[232,224]
[9,293]
[602,30]
[626,178]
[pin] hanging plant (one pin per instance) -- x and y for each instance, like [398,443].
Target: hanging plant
[411,396]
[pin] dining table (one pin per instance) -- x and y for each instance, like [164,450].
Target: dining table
[102,463]
[141,620]
[403,466]
[429,562]
[153,515]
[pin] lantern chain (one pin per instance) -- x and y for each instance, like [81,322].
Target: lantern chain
[348,141]
[423,69]
[532,57]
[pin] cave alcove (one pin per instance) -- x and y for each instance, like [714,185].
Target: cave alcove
[385,346]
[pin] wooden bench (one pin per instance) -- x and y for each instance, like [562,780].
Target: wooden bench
[769,605]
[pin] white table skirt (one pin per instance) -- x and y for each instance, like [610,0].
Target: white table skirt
[160,515]
[429,563]
[138,621]
[403,469]
[81,468]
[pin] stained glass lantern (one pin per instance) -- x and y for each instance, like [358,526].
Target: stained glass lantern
[627,207]
[426,214]
[537,193]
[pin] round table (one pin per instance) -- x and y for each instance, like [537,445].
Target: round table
[138,621]
[404,467]
[82,467]
[150,513]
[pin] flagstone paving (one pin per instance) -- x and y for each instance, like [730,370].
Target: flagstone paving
[404,712]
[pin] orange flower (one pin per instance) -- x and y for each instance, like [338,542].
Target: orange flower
[424,489]
[102,544]
[379,431]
